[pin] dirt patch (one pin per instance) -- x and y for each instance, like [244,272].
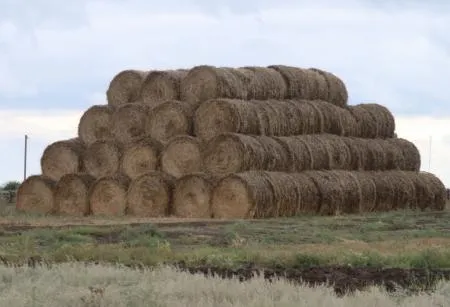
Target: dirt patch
[344,280]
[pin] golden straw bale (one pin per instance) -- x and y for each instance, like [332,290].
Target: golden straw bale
[162,85]
[129,122]
[102,158]
[108,196]
[170,119]
[61,158]
[36,195]
[192,195]
[125,87]
[141,157]
[72,194]
[181,156]
[208,82]
[95,124]
[150,195]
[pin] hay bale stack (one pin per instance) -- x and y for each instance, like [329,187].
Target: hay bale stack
[140,157]
[404,190]
[411,154]
[125,87]
[95,124]
[337,91]
[170,119]
[72,194]
[331,193]
[160,86]
[102,158]
[368,191]
[192,195]
[108,196]
[181,156]
[263,83]
[208,82]
[129,122]
[385,188]
[263,194]
[61,158]
[297,81]
[150,195]
[35,195]
[272,117]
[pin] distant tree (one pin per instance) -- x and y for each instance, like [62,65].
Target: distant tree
[11,186]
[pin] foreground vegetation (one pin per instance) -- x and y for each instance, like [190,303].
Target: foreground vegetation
[395,239]
[79,285]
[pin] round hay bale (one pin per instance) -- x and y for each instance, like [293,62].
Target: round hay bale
[337,91]
[352,191]
[317,119]
[181,156]
[383,118]
[95,124]
[150,195]
[394,156]
[331,117]
[160,86]
[239,195]
[61,158]
[331,193]
[169,119]
[231,153]
[217,116]
[368,191]
[192,195]
[267,83]
[125,87]
[298,153]
[297,82]
[35,195]
[129,122]
[340,153]
[438,191]
[208,82]
[357,157]
[72,194]
[410,153]
[319,85]
[366,124]
[385,188]
[140,157]
[108,196]
[404,190]
[102,158]
[320,151]
[376,156]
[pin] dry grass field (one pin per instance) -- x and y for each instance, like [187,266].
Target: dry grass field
[74,284]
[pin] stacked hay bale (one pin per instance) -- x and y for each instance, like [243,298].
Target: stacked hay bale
[248,142]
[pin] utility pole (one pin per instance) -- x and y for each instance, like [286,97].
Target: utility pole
[429,155]
[25,158]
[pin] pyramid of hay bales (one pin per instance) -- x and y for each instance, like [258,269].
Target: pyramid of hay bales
[221,142]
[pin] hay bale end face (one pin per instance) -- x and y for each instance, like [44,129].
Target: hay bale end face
[125,87]
[170,119]
[61,158]
[150,195]
[208,82]
[181,156]
[72,194]
[36,195]
[129,122]
[160,86]
[95,124]
[102,158]
[192,196]
[108,196]
[140,157]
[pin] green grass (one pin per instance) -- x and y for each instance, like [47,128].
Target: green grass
[396,239]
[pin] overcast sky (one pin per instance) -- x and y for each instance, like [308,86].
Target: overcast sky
[57,58]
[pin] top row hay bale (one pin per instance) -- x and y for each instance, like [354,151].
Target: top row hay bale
[160,86]
[273,82]
[95,124]
[125,87]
